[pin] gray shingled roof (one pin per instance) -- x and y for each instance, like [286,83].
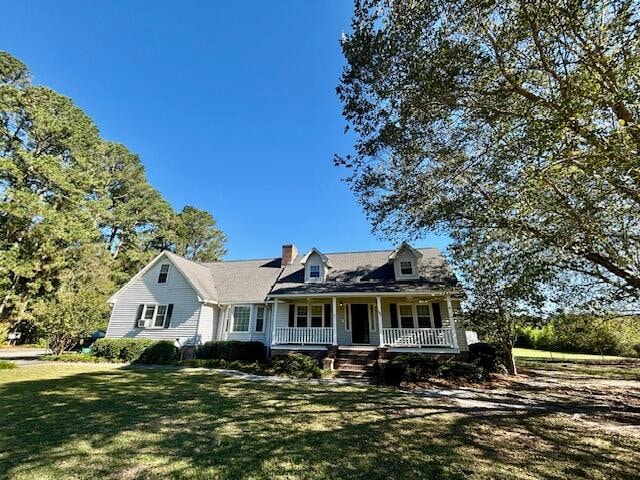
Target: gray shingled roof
[368,272]
[199,275]
[244,280]
[255,280]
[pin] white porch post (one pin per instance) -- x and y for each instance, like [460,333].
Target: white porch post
[274,320]
[379,314]
[334,320]
[454,331]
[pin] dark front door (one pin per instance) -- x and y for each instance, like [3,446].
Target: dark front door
[359,323]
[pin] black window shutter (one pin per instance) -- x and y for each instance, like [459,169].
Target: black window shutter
[138,315]
[327,314]
[292,312]
[394,315]
[437,316]
[167,319]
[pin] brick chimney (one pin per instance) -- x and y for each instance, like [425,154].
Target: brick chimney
[289,252]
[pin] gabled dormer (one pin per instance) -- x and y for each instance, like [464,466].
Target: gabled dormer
[316,266]
[406,262]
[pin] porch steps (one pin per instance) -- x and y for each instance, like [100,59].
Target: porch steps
[356,364]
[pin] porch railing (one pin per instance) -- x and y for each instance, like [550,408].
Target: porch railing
[418,337]
[304,335]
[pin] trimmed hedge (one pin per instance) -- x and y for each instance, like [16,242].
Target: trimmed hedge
[296,365]
[232,350]
[416,367]
[135,350]
[161,352]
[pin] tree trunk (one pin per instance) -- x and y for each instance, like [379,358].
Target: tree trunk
[511,361]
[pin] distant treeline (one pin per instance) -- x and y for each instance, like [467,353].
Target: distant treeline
[583,334]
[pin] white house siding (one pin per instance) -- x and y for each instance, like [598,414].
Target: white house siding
[146,289]
[208,323]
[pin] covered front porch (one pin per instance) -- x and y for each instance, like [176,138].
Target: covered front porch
[425,322]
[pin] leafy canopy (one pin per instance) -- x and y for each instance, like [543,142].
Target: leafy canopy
[511,125]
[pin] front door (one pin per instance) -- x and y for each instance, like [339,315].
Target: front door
[359,323]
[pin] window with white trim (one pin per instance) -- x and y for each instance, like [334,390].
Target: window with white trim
[164,273]
[314,271]
[241,318]
[161,314]
[423,314]
[406,268]
[317,315]
[302,312]
[260,310]
[405,313]
[153,316]
[311,316]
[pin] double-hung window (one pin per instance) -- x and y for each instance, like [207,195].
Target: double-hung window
[424,316]
[317,314]
[153,316]
[260,319]
[406,268]
[311,316]
[302,311]
[164,273]
[241,318]
[406,316]
[314,271]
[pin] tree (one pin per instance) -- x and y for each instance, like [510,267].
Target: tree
[48,184]
[197,236]
[77,214]
[502,122]
[78,307]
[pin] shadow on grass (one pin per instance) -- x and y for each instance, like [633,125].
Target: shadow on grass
[144,423]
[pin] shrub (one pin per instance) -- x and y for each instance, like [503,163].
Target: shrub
[487,356]
[162,352]
[296,365]
[415,366]
[232,350]
[392,373]
[120,349]
[7,365]
[457,370]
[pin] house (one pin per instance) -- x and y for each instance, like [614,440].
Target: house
[330,305]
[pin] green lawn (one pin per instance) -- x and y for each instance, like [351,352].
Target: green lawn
[530,353]
[88,421]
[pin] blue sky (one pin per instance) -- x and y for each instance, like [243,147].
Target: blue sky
[230,105]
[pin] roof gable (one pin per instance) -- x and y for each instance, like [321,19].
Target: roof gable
[196,275]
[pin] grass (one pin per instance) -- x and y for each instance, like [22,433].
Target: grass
[88,421]
[73,357]
[610,372]
[7,365]
[541,354]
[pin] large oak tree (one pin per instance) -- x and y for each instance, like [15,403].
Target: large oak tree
[512,125]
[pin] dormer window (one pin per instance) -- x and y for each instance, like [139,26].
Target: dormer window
[314,271]
[164,273]
[315,266]
[406,268]
[406,261]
